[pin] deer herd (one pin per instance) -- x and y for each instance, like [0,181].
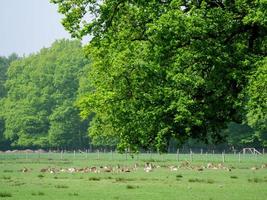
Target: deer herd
[148,167]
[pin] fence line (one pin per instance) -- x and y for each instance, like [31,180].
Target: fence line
[199,156]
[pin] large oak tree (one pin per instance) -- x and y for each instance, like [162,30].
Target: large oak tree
[167,68]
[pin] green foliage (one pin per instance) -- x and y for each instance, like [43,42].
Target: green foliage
[241,135]
[66,128]
[39,108]
[4,64]
[165,69]
[257,101]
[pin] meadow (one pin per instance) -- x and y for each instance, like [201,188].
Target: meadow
[105,176]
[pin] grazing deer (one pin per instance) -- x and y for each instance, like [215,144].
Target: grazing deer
[107,169]
[210,165]
[148,167]
[24,170]
[199,168]
[71,170]
[254,168]
[135,166]
[43,170]
[173,168]
[127,169]
[93,169]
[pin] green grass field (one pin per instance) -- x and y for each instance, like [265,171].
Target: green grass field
[237,178]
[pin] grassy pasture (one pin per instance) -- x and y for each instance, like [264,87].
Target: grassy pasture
[246,180]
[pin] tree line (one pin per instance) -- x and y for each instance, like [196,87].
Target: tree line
[42,98]
[38,95]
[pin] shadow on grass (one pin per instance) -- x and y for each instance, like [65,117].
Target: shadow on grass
[61,186]
[38,194]
[256,180]
[5,194]
[132,187]
[196,180]
[94,179]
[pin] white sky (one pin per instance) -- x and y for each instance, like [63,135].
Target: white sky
[26,26]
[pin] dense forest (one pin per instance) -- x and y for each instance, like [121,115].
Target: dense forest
[155,74]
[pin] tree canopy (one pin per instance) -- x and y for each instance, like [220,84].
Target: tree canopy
[257,101]
[169,68]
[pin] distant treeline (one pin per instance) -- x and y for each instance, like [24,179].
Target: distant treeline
[39,97]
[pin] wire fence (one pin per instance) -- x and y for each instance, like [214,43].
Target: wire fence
[197,156]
